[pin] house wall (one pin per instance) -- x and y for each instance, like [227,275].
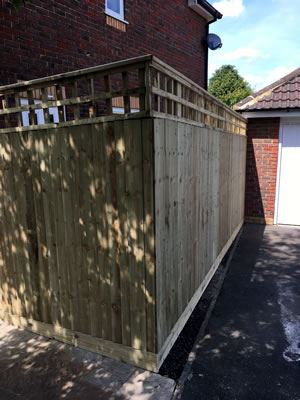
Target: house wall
[48,37]
[261,169]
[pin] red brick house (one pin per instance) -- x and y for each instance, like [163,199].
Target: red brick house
[273,155]
[47,37]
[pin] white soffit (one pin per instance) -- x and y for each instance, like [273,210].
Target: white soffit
[271,114]
[200,10]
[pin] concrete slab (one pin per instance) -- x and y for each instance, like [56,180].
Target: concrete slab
[251,348]
[34,368]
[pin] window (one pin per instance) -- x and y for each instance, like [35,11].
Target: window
[39,114]
[115,8]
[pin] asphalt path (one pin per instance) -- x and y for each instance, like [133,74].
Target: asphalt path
[251,348]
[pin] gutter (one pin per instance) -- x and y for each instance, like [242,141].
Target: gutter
[212,10]
[206,10]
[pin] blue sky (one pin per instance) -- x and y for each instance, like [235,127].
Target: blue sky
[260,37]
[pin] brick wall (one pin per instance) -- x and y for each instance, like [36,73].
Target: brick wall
[261,170]
[52,36]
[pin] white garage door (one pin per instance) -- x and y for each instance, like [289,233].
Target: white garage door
[288,194]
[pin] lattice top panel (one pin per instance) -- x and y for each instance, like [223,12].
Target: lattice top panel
[134,88]
[175,95]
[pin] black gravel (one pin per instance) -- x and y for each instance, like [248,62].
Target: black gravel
[177,358]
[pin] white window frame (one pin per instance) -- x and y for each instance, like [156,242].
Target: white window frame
[121,110]
[119,16]
[39,113]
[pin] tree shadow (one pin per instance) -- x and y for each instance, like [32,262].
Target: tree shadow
[33,367]
[76,233]
[244,352]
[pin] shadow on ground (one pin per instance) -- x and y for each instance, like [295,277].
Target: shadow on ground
[251,349]
[34,368]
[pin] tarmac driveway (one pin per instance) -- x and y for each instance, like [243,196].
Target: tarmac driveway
[251,349]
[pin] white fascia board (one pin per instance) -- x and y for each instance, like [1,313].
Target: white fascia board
[271,114]
[200,10]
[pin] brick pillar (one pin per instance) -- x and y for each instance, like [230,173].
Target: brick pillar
[261,169]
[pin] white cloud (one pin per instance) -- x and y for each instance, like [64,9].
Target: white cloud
[230,8]
[212,68]
[278,73]
[268,77]
[254,80]
[246,53]
[242,53]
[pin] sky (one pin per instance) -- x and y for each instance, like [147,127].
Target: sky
[260,37]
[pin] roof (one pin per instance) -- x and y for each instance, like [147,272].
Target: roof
[209,8]
[282,94]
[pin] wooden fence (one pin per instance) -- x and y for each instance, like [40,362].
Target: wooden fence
[199,209]
[122,187]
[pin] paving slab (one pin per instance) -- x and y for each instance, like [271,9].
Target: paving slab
[33,368]
[251,347]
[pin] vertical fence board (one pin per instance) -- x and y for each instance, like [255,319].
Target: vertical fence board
[134,188]
[115,253]
[160,214]
[122,234]
[149,232]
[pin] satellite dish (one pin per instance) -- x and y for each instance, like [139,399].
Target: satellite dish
[213,41]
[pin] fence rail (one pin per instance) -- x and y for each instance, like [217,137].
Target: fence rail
[143,86]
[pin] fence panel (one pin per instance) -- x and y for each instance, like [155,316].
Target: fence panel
[199,186]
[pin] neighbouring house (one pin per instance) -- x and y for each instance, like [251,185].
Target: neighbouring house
[273,155]
[49,37]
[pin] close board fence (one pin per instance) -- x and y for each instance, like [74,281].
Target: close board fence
[122,187]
